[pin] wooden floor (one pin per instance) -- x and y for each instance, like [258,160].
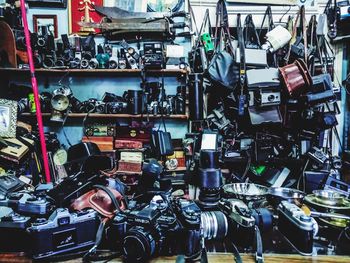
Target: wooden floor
[215,258]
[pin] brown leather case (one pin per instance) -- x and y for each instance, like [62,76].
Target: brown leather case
[296,78]
[127,144]
[100,201]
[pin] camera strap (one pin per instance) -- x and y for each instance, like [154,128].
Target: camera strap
[301,20]
[251,37]
[242,66]
[268,15]
[259,258]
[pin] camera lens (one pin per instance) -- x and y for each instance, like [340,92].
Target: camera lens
[48,62]
[214,225]
[209,158]
[138,244]
[93,63]
[84,63]
[41,42]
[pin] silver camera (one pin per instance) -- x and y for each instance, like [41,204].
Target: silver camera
[267,98]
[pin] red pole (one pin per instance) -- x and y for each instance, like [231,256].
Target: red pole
[36,93]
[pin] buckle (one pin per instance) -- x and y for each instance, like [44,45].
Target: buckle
[259,258]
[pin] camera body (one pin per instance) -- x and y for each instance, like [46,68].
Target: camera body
[28,203]
[151,230]
[264,97]
[241,221]
[296,226]
[63,232]
[116,107]
[13,232]
[317,155]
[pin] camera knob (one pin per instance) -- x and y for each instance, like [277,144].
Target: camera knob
[39,221]
[305,219]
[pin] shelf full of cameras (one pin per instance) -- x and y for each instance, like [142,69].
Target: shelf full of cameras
[238,206]
[150,100]
[76,52]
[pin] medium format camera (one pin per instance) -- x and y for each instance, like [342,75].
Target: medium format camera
[298,228]
[63,232]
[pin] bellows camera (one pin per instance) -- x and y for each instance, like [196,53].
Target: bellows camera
[63,232]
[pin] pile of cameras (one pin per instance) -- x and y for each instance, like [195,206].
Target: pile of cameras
[77,52]
[150,99]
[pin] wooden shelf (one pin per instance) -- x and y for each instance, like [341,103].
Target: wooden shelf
[98,115]
[119,72]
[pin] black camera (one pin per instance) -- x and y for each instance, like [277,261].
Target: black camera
[63,232]
[297,227]
[116,107]
[14,237]
[151,230]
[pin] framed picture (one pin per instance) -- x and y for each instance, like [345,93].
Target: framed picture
[45,24]
[8,118]
[83,11]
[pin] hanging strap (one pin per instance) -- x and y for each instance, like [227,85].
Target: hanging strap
[301,16]
[268,15]
[250,32]
[242,67]
[222,29]
[259,246]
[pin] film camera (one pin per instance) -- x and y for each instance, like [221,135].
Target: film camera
[245,223]
[62,232]
[157,228]
[298,228]
[13,226]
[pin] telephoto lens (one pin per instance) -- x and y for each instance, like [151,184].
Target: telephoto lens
[196,96]
[209,178]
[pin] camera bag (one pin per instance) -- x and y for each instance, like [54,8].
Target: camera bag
[105,200]
[254,55]
[223,71]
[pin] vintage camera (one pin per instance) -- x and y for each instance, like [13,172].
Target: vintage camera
[151,230]
[88,48]
[297,227]
[243,221]
[14,237]
[264,97]
[209,178]
[343,11]
[68,53]
[29,203]
[317,155]
[190,235]
[132,58]
[153,108]
[63,232]
[116,107]
[153,56]
[60,104]
[49,54]
[122,62]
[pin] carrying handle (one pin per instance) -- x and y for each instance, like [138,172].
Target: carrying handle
[222,28]
[250,26]
[242,66]
[268,15]
[302,22]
